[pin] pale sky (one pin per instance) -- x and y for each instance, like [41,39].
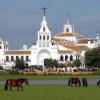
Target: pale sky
[20,19]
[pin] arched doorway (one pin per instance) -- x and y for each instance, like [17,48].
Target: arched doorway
[43,54]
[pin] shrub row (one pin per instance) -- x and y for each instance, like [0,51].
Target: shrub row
[49,73]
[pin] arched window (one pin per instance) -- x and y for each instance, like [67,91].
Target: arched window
[22,58]
[67,29]
[71,58]
[7,58]
[40,37]
[17,57]
[47,37]
[66,57]
[43,37]
[61,58]
[12,58]
[0,47]
[78,57]
[27,58]
[43,29]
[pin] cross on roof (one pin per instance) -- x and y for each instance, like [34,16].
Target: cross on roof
[44,10]
[68,16]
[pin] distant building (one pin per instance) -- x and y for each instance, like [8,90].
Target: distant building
[64,47]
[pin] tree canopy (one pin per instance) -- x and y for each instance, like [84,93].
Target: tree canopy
[19,64]
[51,63]
[92,57]
[77,63]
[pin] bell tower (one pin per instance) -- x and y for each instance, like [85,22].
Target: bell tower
[68,27]
[44,34]
[44,48]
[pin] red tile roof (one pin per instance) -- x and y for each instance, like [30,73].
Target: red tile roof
[69,35]
[64,51]
[18,52]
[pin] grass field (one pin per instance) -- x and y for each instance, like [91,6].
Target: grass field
[2,77]
[51,92]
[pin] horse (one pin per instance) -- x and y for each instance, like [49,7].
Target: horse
[98,83]
[74,81]
[84,82]
[15,83]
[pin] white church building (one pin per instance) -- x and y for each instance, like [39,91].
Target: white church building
[64,47]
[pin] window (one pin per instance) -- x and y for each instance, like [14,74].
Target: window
[0,47]
[12,58]
[7,58]
[66,57]
[40,37]
[5,47]
[27,58]
[78,57]
[43,29]
[43,37]
[47,37]
[22,58]
[67,29]
[17,57]
[61,58]
[71,58]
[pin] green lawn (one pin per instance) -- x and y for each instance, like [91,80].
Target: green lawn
[2,77]
[51,92]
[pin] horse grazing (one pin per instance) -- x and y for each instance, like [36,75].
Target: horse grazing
[98,83]
[84,82]
[74,81]
[15,83]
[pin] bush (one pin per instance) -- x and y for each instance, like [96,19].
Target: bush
[14,72]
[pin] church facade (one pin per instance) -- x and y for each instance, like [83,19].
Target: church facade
[64,47]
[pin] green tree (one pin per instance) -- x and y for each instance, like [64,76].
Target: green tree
[19,64]
[51,63]
[92,57]
[70,64]
[62,65]
[55,63]
[77,63]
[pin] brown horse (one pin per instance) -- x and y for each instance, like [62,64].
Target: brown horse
[84,82]
[74,81]
[15,83]
[98,82]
